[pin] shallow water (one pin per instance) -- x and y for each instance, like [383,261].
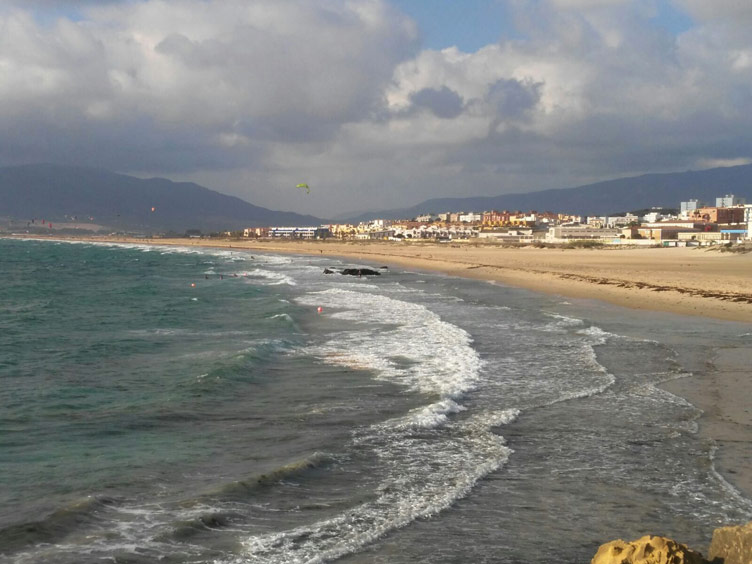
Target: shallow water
[417,418]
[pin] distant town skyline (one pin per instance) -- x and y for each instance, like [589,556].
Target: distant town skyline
[376,104]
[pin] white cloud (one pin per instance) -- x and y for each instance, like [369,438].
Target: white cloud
[254,97]
[722,163]
[233,66]
[730,10]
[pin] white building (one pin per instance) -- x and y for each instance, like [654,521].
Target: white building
[652,217]
[686,208]
[293,232]
[579,233]
[620,220]
[470,217]
[728,201]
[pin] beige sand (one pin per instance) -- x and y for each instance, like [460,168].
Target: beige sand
[690,281]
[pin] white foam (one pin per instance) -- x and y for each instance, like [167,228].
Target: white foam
[272,259]
[427,417]
[598,335]
[284,316]
[441,358]
[736,495]
[273,278]
[563,321]
[422,480]
[425,467]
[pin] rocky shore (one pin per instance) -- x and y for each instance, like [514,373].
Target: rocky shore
[730,545]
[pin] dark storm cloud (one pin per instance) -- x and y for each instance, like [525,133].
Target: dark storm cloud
[443,102]
[512,98]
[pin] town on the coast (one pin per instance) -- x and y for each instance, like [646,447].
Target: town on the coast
[726,221]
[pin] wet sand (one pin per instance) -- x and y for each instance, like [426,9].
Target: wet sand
[724,393]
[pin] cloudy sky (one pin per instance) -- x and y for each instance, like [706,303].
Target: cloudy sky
[376,103]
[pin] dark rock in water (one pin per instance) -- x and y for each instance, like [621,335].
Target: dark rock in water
[361,272]
[384,267]
[328,271]
[732,545]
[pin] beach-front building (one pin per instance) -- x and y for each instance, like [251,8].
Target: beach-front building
[564,234]
[495,218]
[719,214]
[509,236]
[620,220]
[524,219]
[663,231]
[470,217]
[300,232]
[256,232]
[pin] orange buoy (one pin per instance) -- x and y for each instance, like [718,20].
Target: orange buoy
[193,284]
[319,309]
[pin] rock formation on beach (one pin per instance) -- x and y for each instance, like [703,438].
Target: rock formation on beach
[646,550]
[355,271]
[360,272]
[731,545]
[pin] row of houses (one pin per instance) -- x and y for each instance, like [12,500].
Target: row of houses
[695,224]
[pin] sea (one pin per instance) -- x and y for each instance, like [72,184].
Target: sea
[225,406]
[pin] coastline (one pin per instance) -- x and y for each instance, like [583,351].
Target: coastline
[685,281]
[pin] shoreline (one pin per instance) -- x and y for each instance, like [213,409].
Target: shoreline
[685,281]
[682,280]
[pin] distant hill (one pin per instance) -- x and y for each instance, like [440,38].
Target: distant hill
[602,198]
[59,193]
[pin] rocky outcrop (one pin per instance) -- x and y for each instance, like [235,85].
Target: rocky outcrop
[361,272]
[732,545]
[647,550]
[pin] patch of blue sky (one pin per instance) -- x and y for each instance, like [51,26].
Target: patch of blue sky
[467,24]
[472,24]
[672,19]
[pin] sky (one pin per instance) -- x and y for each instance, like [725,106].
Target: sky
[376,104]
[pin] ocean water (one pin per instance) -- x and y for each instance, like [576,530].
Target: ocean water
[194,405]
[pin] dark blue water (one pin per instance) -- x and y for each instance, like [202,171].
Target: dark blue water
[183,405]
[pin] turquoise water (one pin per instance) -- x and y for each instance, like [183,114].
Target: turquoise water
[183,405]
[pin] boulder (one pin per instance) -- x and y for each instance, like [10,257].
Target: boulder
[328,271]
[732,545]
[649,549]
[361,272]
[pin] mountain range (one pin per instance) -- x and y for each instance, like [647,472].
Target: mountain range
[665,190]
[59,193]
